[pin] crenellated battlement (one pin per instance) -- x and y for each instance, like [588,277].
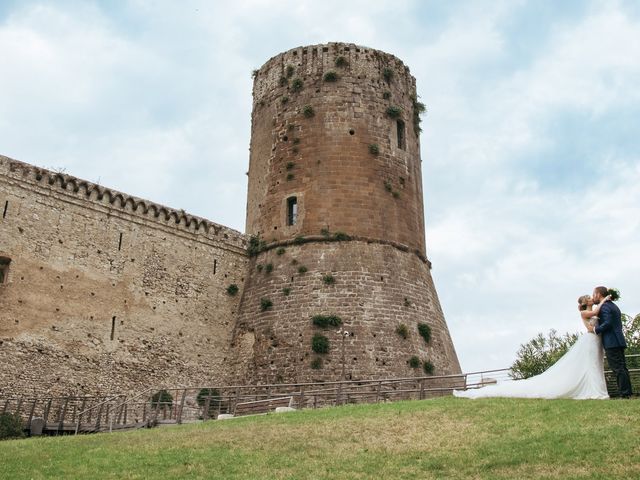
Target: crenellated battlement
[107,197]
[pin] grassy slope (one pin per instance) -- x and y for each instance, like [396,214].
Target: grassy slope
[443,438]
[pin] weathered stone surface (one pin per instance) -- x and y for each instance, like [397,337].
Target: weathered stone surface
[342,184]
[102,292]
[106,292]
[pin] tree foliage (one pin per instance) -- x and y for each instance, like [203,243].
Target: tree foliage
[631,327]
[539,353]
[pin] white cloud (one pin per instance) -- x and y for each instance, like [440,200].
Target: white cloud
[155,100]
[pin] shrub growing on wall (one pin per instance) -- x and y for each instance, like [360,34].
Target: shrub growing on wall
[232,290]
[326,321]
[425,331]
[320,343]
[402,330]
[414,362]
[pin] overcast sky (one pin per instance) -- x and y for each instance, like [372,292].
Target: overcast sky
[530,149]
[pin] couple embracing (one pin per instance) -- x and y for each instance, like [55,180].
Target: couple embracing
[579,374]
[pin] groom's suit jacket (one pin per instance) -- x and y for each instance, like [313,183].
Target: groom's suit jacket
[610,326]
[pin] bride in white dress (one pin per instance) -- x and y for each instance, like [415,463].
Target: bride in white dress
[579,374]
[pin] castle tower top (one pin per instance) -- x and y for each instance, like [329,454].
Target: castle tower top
[335,147]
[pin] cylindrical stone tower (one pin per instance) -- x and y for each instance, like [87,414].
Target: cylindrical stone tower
[335,209]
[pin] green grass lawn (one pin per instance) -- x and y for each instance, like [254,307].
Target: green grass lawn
[442,438]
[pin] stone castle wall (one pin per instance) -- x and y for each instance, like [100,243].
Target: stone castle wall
[334,127]
[376,288]
[324,159]
[109,293]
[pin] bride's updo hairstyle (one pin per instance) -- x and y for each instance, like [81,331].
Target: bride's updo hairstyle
[582,302]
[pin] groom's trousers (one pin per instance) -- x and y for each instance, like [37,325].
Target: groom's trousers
[618,365]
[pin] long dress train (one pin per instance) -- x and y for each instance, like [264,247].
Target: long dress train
[579,374]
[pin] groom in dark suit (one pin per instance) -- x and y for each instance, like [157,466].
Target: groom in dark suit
[610,330]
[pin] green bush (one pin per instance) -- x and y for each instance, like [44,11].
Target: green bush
[10,426]
[302,269]
[418,109]
[425,332]
[539,353]
[328,279]
[308,111]
[330,76]
[402,330]
[414,362]
[316,363]
[290,70]
[232,290]
[268,267]
[161,399]
[326,321]
[290,176]
[280,251]
[299,240]
[297,84]
[286,291]
[387,74]
[394,111]
[214,399]
[265,304]
[374,149]
[341,62]
[320,343]
[428,368]
[255,246]
[341,236]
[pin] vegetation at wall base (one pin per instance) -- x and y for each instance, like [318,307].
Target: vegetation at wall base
[444,438]
[428,367]
[10,426]
[161,399]
[414,362]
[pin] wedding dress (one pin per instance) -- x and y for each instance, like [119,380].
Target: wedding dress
[579,374]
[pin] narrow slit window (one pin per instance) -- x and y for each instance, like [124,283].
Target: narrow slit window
[4,212]
[401,134]
[4,269]
[113,327]
[292,210]
[120,242]
[215,266]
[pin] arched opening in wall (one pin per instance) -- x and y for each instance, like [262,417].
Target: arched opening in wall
[4,269]
[292,210]
[400,127]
